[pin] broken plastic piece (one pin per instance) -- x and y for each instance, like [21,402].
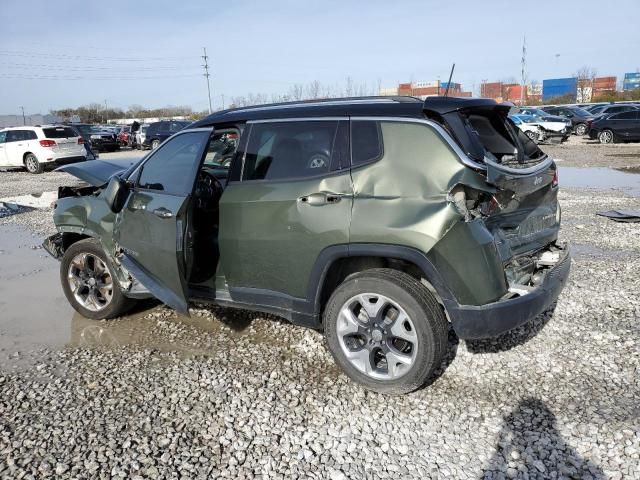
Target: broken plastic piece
[626,216]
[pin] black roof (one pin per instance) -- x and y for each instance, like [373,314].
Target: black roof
[400,106]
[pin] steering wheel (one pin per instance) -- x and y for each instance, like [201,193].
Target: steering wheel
[208,191]
[318,160]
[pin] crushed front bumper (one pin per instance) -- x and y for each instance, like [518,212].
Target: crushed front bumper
[490,320]
[54,246]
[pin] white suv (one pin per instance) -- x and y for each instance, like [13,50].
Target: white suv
[35,147]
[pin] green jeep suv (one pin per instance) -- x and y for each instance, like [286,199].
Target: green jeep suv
[380,221]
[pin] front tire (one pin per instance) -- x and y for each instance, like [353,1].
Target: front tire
[32,164]
[532,136]
[89,282]
[385,330]
[606,136]
[581,129]
[155,144]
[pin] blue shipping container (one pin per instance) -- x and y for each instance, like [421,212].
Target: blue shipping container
[631,81]
[559,87]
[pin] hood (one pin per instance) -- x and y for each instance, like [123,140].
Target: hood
[98,172]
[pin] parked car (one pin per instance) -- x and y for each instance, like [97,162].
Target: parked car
[612,108]
[123,136]
[141,135]
[101,140]
[541,131]
[616,127]
[158,132]
[37,147]
[377,220]
[544,116]
[579,117]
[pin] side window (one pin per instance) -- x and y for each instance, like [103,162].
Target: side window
[366,142]
[171,169]
[14,135]
[631,115]
[3,137]
[221,148]
[281,150]
[31,135]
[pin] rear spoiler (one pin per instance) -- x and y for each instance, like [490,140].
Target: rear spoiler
[444,105]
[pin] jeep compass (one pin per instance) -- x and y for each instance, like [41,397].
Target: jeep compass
[379,221]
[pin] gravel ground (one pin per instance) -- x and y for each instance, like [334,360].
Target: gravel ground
[582,152]
[236,395]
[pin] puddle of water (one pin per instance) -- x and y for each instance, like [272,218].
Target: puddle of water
[35,313]
[601,178]
[34,309]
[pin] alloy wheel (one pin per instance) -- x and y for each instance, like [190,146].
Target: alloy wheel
[90,282]
[606,137]
[377,336]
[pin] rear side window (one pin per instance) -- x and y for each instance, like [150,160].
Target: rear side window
[59,132]
[283,150]
[631,115]
[366,142]
[171,169]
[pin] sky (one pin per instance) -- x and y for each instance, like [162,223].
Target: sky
[67,53]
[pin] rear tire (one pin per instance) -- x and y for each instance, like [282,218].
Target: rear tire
[386,330]
[581,129]
[90,285]
[32,164]
[606,136]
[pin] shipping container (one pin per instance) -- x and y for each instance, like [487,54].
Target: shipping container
[560,87]
[515,93]
[605,83]
[433,83]
[491,90]
[631,81]
[391,91]
[454,86]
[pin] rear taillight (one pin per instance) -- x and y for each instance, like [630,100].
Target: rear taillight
[47,143]
[80,141]
[554,181]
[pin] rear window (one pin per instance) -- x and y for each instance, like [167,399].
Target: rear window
[59,132]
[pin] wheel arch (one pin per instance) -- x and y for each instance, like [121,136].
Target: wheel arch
[336,263]
[24,157]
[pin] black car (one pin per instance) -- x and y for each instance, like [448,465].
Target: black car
[99,139]
[616,127]
[158,132]
[579,117]
[612,108]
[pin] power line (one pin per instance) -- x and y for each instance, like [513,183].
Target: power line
[87,57]
[79,77]
[89,68]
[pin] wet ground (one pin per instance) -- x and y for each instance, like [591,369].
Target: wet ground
[626,180]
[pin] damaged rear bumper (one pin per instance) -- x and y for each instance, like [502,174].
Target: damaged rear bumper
[490,320]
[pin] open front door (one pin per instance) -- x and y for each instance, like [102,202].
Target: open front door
[152,227]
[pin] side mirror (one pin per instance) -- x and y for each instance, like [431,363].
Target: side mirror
[116,194]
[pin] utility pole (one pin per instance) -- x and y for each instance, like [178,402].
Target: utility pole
[206,74]
[105,112]
[24,122]
[524,69]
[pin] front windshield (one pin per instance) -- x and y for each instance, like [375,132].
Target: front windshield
[527,118]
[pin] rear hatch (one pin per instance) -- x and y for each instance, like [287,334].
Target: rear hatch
[522,210]
[66,139]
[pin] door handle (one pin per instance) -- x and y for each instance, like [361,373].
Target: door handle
[163,212]
[321,198]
